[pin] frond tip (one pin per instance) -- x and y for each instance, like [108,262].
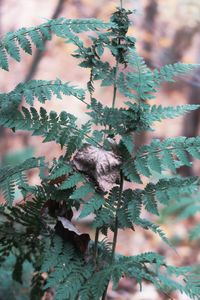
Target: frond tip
[23,38]
[169,72]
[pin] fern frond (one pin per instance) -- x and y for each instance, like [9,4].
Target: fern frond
[167,189]
[96,138]
[137,84]
[118,120]
[11,177]
[132,201]
[141,83]
[146,224]
[8,189]
[71,181]
[104,218]
[82,191]
[147,266]
[76,140]
[159,113]
[167,154]
[183,205]
[130,171]
[42,90]
[23,38]
[190,289]
[60,128]
[93,204]
[39,230]
[149,257]
[127,140]
[16,221]
[59,169]
[141,117]
[168,72]
[87,189]
[124,88]
[67,268]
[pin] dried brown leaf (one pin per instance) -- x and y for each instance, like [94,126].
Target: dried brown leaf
[99,164]
[70,233]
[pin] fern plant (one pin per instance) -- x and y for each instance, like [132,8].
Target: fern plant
[99,157]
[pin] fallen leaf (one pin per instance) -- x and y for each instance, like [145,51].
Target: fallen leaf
[99,164]
[70,233]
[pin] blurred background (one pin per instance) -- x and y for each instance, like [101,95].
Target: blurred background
[166,32]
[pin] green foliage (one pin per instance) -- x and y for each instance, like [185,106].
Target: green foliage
[168,72]
[42,90]
[138,268]
[93,204]
[158,113]
[23,39]
[19,237]
[141,83]
[166,189]
[70,272]
[60,128]
[81,279]
[169,154]
[182,206]
[12,177]
[10,289]
[98,157]
[138,80]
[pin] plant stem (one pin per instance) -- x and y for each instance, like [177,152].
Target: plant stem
[115,228]
[115,84]
[96,245]
[116,69]
[116,218]
[121,176]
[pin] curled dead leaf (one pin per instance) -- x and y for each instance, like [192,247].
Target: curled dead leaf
[99,164]
[70,233]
